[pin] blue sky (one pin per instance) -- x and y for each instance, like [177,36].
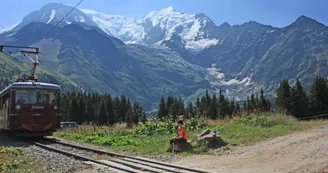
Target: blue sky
[277,13]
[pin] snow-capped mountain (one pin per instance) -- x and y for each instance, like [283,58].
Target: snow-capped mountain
[52,13]
[195,31]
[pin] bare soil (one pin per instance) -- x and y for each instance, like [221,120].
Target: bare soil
[297,152]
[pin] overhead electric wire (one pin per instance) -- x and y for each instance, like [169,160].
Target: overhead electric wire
[63,18]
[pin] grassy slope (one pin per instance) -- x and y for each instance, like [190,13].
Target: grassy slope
[232,133]
[12,68]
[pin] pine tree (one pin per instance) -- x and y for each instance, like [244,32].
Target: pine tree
[237,107]
[90,111]
[81,111]
[181,106]
[123,108]
[299,100]
[190,109]
[116,105]
[73,110]
[232,107]
[263,104]
[129,118]
[202,107]
[245,109]
[283,100]
[102,117]
[257,103]
[253,103]
[198,103]
[268,103]
[175,109]
[137,114]
[144,117]
[110,110]
[319,96]
[162,107]
[64,108]
[213,110]
[223,105]
[208,99]
[249,105]
[169,104]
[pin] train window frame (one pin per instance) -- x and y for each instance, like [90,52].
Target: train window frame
[26,90]
[55,91]
[55,95]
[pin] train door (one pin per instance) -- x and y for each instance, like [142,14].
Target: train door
[4,111]
[11,108]
[3,123]
[10,117]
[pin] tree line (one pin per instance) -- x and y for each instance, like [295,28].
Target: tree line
[99,109]
[291,99]
[297,101]
[212,106]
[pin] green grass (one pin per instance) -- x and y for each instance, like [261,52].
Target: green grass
[154,138]
[237,133]
[14,160]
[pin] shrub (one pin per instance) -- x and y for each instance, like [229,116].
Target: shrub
[258,121]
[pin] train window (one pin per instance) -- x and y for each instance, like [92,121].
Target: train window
[26,97]
[47,97]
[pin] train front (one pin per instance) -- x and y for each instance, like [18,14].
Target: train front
[35,108]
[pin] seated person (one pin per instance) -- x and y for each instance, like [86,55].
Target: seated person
[182,135]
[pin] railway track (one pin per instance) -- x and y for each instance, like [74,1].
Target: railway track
[117,162]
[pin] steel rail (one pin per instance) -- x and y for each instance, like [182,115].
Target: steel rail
[136,159]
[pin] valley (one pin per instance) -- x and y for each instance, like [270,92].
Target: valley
[167,52]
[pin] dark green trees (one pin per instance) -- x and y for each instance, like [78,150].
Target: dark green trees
[99,109]
[283,100]
[295,101]
[319,96]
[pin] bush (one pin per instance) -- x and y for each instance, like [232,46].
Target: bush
[152,128]
[258,121]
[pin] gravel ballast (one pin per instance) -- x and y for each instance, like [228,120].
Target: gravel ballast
[53,162]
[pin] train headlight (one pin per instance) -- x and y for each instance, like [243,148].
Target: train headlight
[55,107]
[18,107]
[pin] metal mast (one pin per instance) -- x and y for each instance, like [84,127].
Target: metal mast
[26,53]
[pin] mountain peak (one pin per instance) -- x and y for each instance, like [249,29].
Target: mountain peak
[55,5]
[302,18]
[225,24]
[307,22]
[54,12]
[170,8]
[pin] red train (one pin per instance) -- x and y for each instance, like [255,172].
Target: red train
[30,108]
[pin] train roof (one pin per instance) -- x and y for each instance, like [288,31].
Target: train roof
[31,85]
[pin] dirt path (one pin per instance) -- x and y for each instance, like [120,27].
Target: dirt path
[297,152]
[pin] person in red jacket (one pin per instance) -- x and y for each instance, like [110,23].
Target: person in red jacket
[182,134]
